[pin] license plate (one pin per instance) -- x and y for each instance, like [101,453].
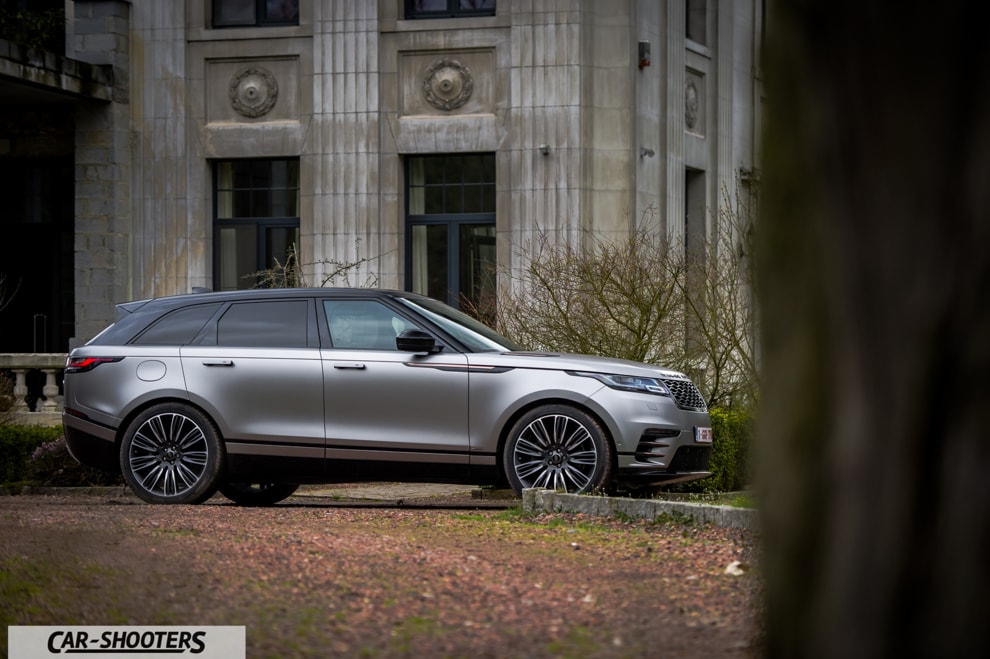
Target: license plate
[703,434]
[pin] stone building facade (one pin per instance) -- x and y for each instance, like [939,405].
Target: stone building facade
[425,143]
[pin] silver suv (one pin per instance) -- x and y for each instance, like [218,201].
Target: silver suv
[254,392]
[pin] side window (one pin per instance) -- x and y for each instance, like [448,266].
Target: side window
[235,13]
[450,239]
[268,324]
[449,8]
[363,324]
[256,220]
[177,328]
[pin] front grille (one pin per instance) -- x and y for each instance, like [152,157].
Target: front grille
[690,458]
[686,395]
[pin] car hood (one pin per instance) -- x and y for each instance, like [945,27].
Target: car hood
[571,362]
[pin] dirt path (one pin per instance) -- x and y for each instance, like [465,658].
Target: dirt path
[325,580]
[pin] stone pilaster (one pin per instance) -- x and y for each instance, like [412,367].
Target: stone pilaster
[103,164]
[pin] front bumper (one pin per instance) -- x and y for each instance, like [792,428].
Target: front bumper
[656,440]
[666,460]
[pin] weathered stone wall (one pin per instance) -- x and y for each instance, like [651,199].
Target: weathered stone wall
[103,219]
[585,138]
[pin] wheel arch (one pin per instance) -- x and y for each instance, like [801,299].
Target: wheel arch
[503,434]
[133,414]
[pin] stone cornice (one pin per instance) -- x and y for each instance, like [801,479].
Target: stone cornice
[55,73]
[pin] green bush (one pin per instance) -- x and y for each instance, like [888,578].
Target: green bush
[38,455]
[17,443]
[733,431]
[52,466]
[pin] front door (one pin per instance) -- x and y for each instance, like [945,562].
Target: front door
[386,405]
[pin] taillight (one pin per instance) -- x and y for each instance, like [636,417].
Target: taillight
[83,364]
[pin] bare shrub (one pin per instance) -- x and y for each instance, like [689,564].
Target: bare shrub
[289,274]
[645,300]
[614,299]
[722,310]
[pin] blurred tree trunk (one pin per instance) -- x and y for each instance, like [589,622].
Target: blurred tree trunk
[875,291]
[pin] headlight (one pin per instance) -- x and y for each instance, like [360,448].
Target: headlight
[628,383]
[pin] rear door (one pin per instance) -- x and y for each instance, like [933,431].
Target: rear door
[258,373]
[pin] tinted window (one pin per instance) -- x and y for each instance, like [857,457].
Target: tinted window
[232,13]
[449,8]
[364,324]
[265,324]
[475,336]
[177,328]
[256,228]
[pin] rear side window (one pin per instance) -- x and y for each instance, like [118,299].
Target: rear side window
[266,324]
[177,328]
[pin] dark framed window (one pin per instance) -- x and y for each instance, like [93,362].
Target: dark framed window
[247,13]
[364,324]
[451,229]
[256,218]
[268,324]
[178,328]
[697,21]
[449,8]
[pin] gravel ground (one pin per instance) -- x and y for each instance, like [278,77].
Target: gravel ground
[325,578]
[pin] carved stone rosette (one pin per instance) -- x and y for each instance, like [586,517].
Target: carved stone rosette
[448,84]
[691,105]
[253,91]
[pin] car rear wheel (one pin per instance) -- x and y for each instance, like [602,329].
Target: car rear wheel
[558,447]
[171,453]
[257,494]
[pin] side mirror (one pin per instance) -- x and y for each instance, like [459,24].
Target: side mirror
[416,340]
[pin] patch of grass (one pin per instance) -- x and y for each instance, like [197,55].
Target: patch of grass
[414,628]
[580,641]
[38,591]
[470,517]
[623,517]
[177,533]
[20,581]
[513,514]
[569,522]
[740,499]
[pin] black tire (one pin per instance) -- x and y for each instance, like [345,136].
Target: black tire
[257,494]
[558,447]
[172,453]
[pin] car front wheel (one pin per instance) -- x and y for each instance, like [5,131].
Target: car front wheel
[171,453]
[257,494]
[558,447]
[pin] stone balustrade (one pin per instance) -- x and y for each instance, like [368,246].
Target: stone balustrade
[36,402]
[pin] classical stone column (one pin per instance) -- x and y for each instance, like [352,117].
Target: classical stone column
[49,391]
[20,389]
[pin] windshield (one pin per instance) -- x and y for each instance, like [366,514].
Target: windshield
[475,336]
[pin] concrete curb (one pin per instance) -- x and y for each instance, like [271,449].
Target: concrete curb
[536,501]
